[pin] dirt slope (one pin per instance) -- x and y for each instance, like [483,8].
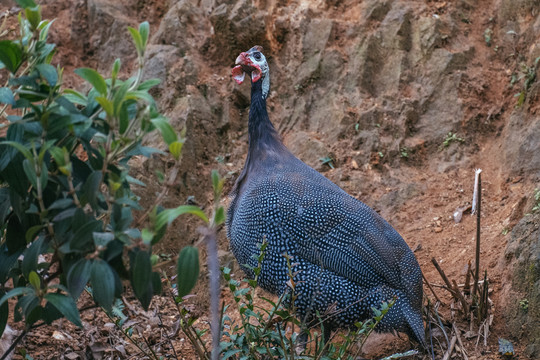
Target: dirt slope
[377,86]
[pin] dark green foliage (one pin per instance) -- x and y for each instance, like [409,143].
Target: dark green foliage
[66,200]
[187,270]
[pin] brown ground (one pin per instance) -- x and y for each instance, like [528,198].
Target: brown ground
[443,178]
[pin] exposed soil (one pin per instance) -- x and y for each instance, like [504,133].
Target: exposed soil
[417,186]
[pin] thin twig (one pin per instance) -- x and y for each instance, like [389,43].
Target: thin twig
[167,335]
[450,348]
[192,336]
[467,285]
[446,281]
[461,298]
[15,343]
[431,288]
[463,352]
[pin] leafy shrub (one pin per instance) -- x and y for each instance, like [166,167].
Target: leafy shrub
[66,200]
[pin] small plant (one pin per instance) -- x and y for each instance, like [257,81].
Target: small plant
[529,74]
[404,152]
[536,206]
[488,33]
[380,153]
[327,160]
[524,305]
[450,138]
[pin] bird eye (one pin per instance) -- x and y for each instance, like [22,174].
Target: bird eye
[257,55]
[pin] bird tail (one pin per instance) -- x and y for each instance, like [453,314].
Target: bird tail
[416,324]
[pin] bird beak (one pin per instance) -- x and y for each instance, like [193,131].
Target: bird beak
[242,59]
[244,65]
[238,72]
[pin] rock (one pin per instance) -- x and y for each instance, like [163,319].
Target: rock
[532,351]
[183,26]
[523,270]
[160,59]
[313,45]
[236,28]
[521,145]
[110,17]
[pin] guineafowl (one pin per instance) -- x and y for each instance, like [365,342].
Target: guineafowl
[346,258]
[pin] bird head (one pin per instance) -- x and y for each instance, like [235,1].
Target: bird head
[251,62]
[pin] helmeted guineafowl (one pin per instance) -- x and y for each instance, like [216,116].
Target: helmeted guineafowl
[346,257]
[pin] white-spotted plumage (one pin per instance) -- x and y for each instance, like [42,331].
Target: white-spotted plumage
[346,258]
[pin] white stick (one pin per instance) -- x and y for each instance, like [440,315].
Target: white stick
[475,193]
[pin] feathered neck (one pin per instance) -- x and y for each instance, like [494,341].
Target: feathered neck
[265,146]
[263,137]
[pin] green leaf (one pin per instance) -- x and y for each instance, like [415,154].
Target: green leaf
[82,239]
[14,236]
[219,217]
[148,84]
[10,55]
[75,97]
[187,270]
[26,3]
[106,104]
[33,14]
[94,78]
[137,40]
[31,234]
[91,188]
[34,279]
[58,155]
[175,149]
[144,30]
[61,204]
[115,69]
[31,255]
[102,280]
[66,305]
[101,239]
[230,353]
[4,314]
[48,72]
[147,235]
[217,184]
[168,216]
[140,95]
[141,278]
[6,96]
[18,291]
[120,96]
[44,29]
[44,175]
[169,136]
[78,277]
[27,154]
[124,118]
[30,172]
[156,283]
[30,304]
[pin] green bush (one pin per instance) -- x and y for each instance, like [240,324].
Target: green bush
[67,207]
